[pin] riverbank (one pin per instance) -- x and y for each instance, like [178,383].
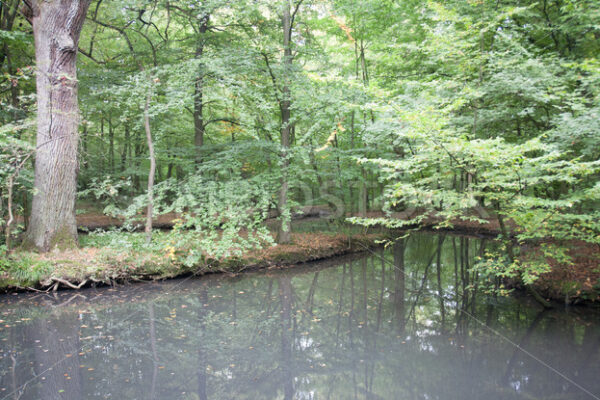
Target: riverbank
[575,282]
[98,264]
[90,265]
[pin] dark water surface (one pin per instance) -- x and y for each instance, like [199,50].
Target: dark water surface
[409,327]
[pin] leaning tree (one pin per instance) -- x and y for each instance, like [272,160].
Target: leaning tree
[56,28]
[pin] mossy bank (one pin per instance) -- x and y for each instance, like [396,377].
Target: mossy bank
[105,265]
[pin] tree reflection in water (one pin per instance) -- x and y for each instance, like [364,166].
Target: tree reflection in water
[391,324]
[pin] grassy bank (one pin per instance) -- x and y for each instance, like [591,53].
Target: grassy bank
[105,258]
[123,257]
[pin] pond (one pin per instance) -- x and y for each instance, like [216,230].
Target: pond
[408,322]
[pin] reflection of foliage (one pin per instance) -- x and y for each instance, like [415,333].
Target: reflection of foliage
[348,332]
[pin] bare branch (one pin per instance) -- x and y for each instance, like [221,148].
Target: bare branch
[89,55]
[294,16]
[29,10]
[231,121]
[275,84]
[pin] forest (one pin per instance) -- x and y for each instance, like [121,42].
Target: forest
[300,199]
[155,138]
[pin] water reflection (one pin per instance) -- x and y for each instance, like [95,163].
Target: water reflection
[396,324]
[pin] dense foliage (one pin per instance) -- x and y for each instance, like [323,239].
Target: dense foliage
[461,110]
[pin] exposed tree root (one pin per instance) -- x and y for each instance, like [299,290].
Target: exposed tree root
[67,283]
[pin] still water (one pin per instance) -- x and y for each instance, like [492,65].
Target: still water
[410,322]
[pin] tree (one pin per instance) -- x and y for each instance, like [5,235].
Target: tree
[283,234]
[199,125]
[474,122]
[56,28]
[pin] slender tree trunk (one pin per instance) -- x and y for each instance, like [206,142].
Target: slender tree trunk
[159,174]
[152,171]
[102,155]
[479,82]
[316,193]
[126,146]
[10,185]
[138,152]
[351,184]
[84,142]
[359,53]
[130,142]
[56,29]
[199,125]
[339,166]
[284,232]
[362,203]
[14,89]
[111,145]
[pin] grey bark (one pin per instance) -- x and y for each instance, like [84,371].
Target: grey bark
[56,29]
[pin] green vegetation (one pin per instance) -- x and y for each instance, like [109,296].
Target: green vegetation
[114,257]
[397,113]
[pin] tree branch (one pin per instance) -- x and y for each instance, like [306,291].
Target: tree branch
[89,55]
[275,84]
[29,10]
[294,16]
[231,121]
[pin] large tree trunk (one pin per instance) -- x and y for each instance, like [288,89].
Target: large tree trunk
[284,232]
[56,29]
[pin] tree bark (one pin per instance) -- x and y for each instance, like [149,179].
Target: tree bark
[56,29]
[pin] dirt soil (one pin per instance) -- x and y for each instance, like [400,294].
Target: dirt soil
[574,283]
